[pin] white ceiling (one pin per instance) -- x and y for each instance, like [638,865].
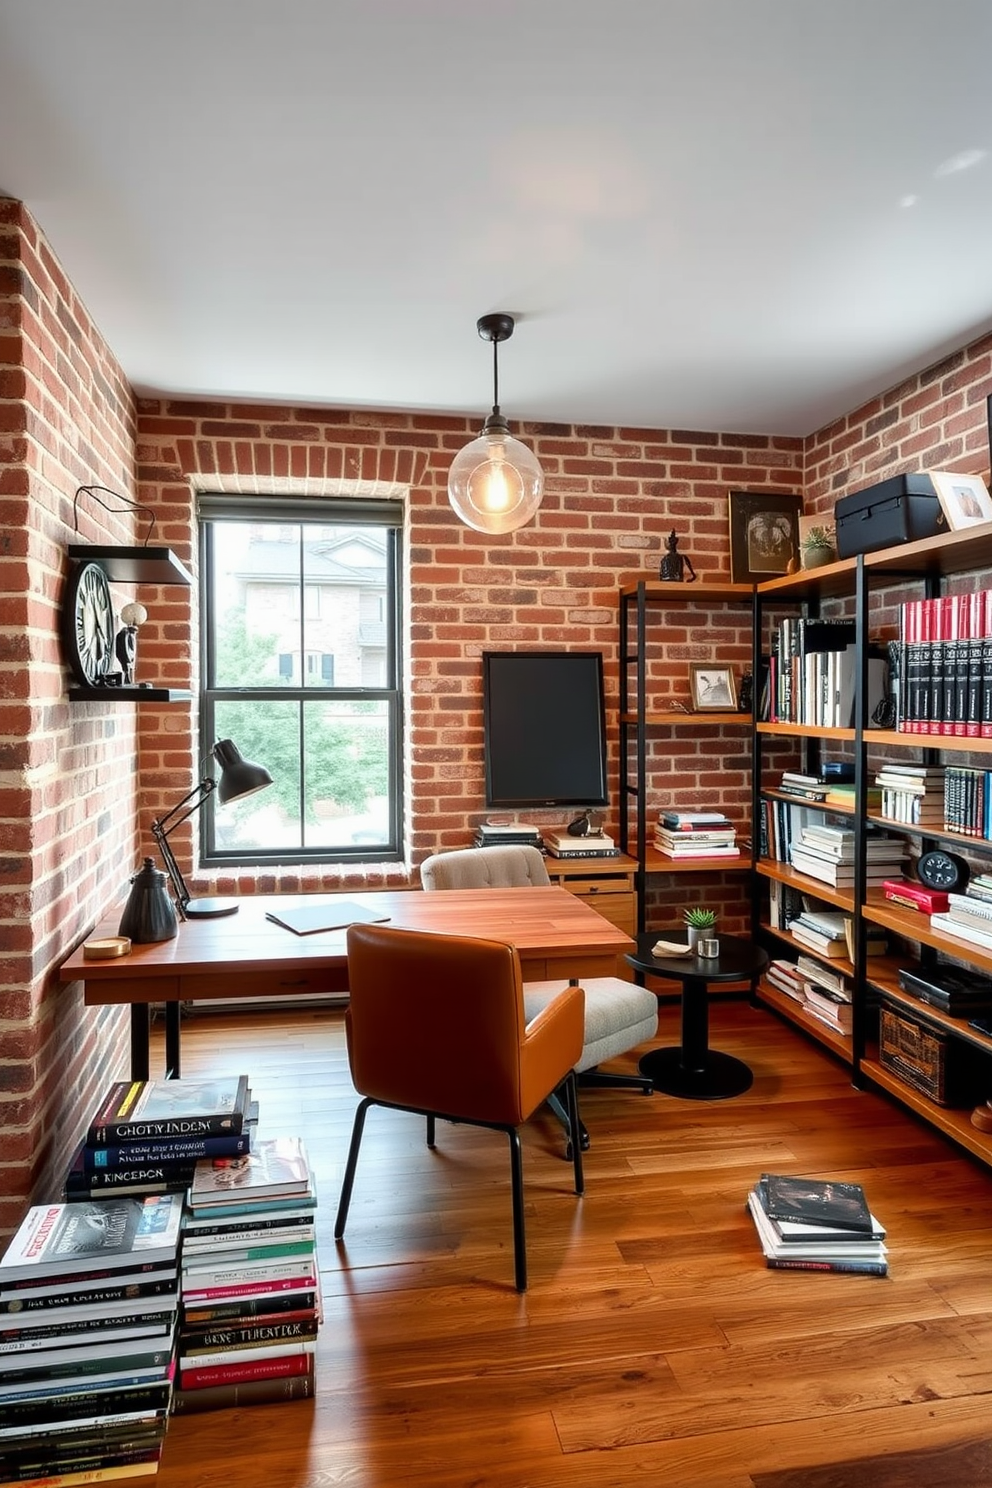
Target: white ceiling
[744,215]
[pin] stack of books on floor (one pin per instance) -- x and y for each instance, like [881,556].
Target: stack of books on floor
[814,1224]
[827,853]
[684,835]
[148,1135]
[249,1281]
[88,1309]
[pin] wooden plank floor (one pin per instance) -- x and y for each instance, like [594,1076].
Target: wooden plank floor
[653,1345]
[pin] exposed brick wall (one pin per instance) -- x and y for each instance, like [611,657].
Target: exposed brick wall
[66,811]
[612,497]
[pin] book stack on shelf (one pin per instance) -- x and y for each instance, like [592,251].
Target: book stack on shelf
[88,1309]
[826,853]
[502,834]
[148,1135]
[685,835]
[827,995]
[966,918]
[813,1224]
[250,1296]
[822,930]
[786,976]
[912,793]
[955,990]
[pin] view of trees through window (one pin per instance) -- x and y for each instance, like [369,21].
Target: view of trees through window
[301,673]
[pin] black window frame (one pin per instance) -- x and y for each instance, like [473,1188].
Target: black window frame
[213,510]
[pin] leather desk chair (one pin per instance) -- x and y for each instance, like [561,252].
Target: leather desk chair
[618,1014]
[436,1025]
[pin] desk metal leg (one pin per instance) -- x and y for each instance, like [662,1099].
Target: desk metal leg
[173,1019]
[140,1019]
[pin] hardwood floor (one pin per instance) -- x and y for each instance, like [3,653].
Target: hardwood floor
[653,1345]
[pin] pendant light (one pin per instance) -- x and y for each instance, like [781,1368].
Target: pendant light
[495,483]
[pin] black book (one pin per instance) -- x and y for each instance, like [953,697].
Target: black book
[148,1110]
[815,1201]
[952,989]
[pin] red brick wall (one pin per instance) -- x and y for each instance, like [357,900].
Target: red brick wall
[66,809]
[612,497]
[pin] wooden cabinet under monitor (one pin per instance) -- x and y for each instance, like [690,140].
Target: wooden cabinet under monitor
[607,884]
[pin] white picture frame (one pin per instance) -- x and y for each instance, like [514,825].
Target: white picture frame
[964,499]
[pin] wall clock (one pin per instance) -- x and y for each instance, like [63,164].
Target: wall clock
[942,870]
[88,626]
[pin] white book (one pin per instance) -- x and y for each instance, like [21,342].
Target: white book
[945,924]
[980,908]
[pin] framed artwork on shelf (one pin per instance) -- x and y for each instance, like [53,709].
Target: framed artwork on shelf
[964,499]
[764,535]
[712,687]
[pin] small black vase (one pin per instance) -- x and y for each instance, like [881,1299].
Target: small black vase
[149,913]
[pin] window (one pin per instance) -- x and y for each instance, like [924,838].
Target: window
[300,603]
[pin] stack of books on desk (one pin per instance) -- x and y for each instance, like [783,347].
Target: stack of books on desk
[249,1280]
[683,835]
[812,1224]
[148,1136]
[88,1309]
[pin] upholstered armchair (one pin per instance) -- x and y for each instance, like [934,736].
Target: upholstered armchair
[436,1025]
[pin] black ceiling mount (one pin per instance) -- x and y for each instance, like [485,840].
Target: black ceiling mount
[498,327]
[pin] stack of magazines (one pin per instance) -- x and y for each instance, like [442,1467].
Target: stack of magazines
[814,1224]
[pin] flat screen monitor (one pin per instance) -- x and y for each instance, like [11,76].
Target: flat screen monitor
[544,729]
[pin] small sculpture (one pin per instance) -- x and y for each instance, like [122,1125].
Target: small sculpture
[674,563]
[126,640]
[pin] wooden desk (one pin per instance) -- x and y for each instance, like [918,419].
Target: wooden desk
[245,955]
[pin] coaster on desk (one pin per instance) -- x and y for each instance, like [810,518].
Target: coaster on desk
[106,949]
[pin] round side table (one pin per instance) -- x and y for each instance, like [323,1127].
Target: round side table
[693,1070]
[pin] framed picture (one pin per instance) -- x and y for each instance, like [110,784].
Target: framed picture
[712,687]
[764,535]
[964,499]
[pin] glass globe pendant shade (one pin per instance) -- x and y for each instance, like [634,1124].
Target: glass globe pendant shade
[495,484]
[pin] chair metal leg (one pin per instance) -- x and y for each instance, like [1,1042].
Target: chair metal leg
[555,1102]
[574,1129]
[616,1082]
[517,1186]
[352,1163]
[431,1129]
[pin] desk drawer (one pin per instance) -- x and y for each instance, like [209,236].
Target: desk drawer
[233,984]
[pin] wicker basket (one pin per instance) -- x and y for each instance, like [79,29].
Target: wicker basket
[939,1066]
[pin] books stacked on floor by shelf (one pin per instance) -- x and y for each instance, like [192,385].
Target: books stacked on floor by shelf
[148,1135]
[88,1309]
[683,835]
[813,1224]
[250,1295]
[912,793]
[826,853]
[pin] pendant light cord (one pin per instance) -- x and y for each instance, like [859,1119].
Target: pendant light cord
[495,376]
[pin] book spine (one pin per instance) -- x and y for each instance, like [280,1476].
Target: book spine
[288,1304]
[249,1392]
[50,1300]
[860,1268]
[304,1330]
[248,1288]
[111,1133]
[231,1374]
[55,1334]
[181,1150]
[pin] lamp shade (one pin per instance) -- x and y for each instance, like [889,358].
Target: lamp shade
[495,484]
[238,777]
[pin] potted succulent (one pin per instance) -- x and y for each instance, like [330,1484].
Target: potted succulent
[818,545]
[699,923]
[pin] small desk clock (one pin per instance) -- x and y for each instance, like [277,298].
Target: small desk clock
[88,626]
[942,870]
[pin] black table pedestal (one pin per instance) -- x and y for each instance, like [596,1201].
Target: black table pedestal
[694,1071]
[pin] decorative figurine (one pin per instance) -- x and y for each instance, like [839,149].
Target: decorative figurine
[674,563]
[126,640]
[745,693]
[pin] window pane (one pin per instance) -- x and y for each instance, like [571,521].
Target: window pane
[345,800]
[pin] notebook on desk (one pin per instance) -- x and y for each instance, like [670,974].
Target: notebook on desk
[329,914]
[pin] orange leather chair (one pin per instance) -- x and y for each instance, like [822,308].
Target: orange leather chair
[436,1025]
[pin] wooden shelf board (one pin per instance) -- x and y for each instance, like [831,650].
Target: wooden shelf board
[953,1123]
[656,862]
[805,731]
[831,578]
[930,829]
[946,743]
[797,1014]
[786,874]
[129,695]
[656,589]
[133,565]
[673,717]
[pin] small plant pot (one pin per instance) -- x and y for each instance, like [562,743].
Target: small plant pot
[817,557]
[696,933]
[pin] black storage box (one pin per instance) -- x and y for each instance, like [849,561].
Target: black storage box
[900,509]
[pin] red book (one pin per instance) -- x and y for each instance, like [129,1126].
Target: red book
[231,1374]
